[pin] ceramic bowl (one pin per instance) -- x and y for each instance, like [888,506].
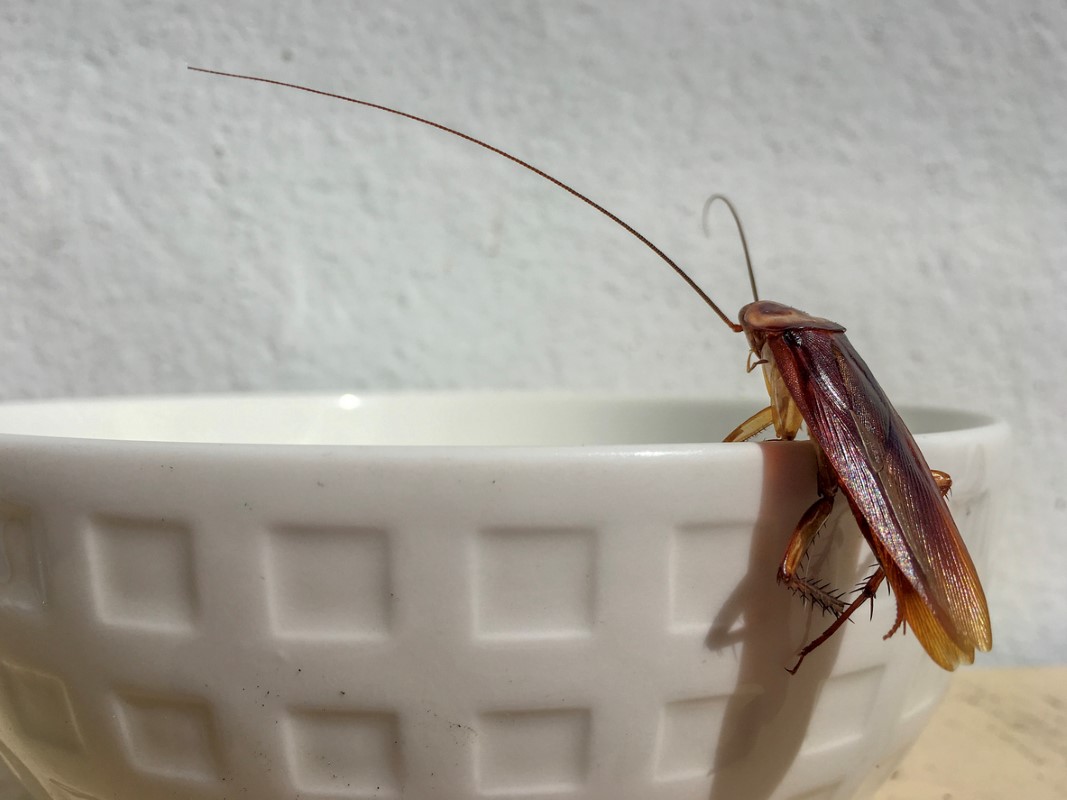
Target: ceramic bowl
[440,597]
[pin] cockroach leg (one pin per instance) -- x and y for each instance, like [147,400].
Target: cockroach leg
[943,481]
[807,529]
[752,426]
[816,593]
[897,623]
[870,588]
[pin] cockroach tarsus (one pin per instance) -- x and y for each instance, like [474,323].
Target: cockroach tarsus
[816,379]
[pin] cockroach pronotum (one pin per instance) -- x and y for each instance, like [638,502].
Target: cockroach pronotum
[863,450]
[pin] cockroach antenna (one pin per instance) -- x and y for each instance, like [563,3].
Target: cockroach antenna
[735,327]
[740,232]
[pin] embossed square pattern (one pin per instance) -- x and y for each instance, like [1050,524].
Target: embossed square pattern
[208,621]
[143,573]
[20,565]
[526,752]
[329,582]
[512,597]
[346,754]
[170,736]
[41,707]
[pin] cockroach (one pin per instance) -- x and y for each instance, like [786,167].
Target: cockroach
[815,378]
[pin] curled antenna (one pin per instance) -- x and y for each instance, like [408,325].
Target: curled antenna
[740,230]
[625,226]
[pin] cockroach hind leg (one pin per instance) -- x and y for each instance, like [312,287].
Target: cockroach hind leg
[900,623]
[820,594]
[863,587]
[868,593]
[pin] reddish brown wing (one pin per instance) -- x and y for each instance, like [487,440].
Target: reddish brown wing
[889,484]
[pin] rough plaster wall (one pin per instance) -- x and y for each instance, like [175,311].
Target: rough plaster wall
[901,168]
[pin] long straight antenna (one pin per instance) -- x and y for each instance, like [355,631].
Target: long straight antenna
[628,228]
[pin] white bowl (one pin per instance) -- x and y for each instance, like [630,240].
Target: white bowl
[439,597]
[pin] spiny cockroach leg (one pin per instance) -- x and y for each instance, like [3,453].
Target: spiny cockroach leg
[818,594]
[798,549]
[868,593]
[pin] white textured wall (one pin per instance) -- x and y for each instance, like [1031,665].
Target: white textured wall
[902,171]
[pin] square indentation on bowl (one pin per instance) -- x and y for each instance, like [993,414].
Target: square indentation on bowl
[41,706]
[170,735]
[535,582]
[20,567]
[330,582]
[344,754]
[142,573]
[688,737]
[699,583]
[523,752]
[840,716]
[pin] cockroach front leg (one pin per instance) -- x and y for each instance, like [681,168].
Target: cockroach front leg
[752,426]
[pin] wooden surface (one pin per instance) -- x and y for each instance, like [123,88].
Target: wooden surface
[1000,734]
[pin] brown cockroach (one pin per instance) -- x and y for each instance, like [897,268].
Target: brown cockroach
[863,449]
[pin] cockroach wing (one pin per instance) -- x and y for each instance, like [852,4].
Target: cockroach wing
[889,485]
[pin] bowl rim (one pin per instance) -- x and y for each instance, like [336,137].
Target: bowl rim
[972,422]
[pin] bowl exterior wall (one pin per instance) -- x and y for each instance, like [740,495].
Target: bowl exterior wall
[190,623]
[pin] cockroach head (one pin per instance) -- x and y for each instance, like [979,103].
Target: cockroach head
[765,318]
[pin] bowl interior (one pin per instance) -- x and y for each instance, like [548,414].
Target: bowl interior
[433,419]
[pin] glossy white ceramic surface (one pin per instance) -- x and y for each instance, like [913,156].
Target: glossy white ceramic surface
[440,597]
